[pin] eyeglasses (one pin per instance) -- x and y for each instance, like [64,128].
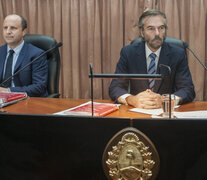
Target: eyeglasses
[153,29]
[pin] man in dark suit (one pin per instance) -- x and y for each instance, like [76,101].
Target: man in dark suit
[146,57]
[16,54]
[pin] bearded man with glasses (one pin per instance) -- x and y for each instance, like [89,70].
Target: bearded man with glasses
[145,57]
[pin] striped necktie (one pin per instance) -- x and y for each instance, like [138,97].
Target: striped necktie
[152,70]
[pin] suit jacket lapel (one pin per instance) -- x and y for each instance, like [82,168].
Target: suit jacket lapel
[141,63]
[20,57]
[163,59]
[3,53]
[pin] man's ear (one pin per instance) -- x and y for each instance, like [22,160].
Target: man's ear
[141,33]
[24,32]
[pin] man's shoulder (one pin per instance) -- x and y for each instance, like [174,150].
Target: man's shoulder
[3,51]
[173,52]
[173,48]
[3,47]
[134,46]
[30,51]
[31,48]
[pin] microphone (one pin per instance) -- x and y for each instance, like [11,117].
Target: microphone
[166,66]
[164,76]
[21,69]
[187,47]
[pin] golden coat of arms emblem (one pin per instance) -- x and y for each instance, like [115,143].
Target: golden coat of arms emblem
[130,155]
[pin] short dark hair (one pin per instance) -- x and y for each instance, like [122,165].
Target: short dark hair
[149,13]
[24,22]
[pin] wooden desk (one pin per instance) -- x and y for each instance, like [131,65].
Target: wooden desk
[38,146]
[52,105]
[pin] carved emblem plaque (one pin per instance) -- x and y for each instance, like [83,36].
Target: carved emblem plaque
[130,155]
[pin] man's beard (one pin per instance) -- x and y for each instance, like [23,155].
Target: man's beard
[154,42]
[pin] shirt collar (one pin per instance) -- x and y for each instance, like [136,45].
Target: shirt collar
[16,49]
[148,51]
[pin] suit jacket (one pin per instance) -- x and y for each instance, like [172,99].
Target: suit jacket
[33,79]
[133,61]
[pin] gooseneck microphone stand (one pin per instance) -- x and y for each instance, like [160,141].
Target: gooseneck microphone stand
[186,46]
[91,76]
[35,59]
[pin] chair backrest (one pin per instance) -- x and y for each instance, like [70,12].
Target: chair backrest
[169,40]
[46,42]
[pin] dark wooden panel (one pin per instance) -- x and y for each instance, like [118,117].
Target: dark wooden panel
[42,147]
[54,147]
[181,144]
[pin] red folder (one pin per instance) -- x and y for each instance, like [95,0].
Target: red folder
[7,98]
[99,109]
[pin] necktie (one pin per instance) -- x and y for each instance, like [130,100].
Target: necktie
[152,70]
[8,69]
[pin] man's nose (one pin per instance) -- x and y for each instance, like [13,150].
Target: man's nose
[8,30]
[157,31]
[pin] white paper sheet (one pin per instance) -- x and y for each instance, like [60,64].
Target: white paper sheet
[148,111]
[191,114]
[155,112]
[187,114]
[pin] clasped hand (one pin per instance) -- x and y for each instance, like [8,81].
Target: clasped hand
[4,89]
[146,100]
